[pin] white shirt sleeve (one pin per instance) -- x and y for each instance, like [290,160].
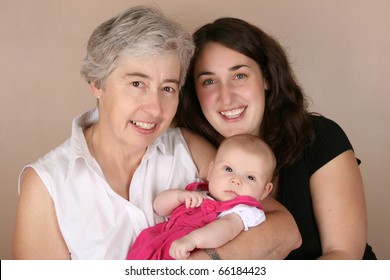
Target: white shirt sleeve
[250,216]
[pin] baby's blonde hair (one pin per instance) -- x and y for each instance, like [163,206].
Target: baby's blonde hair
[253,145]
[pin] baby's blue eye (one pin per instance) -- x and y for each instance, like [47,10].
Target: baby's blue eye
[249,177]
[228,169]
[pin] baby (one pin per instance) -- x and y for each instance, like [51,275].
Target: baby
[209,215]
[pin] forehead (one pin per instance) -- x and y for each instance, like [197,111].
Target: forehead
[215,55]
[165,65]
[242,161]
[247,150]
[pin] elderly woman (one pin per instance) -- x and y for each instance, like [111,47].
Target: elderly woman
[90,197]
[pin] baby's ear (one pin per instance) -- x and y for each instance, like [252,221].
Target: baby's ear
[267,190]
[211,167]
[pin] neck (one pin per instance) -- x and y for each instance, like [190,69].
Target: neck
[117,164]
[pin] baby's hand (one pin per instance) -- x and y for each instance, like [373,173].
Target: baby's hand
[182,247]
[191,199]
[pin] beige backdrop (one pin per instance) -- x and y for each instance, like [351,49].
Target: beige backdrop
[340,51]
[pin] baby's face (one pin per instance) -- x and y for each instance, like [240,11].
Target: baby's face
[236,172]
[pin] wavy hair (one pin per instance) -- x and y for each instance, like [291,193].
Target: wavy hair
[141,31]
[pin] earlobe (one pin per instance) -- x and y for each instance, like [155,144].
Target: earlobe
[266,85]
[267,190]
[96,91]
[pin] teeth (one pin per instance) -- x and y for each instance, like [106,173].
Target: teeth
[143,125]
[233,113]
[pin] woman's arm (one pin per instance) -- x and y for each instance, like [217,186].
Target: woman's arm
[37,234]
[273,239]
[339,206]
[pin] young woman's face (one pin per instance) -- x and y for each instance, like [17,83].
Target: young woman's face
[230,89]
[139,99]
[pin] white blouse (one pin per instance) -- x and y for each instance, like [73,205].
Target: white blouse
[95,221]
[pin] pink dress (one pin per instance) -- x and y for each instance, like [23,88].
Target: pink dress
[153,243]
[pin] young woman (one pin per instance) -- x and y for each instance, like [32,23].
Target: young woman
[240,81]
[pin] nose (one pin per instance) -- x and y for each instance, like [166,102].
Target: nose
[153,104]
[235,181]
[225,94]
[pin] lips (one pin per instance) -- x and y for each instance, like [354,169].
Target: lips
[231,193]
[233,114]
[143,125]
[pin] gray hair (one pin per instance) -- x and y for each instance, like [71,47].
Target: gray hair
[140,31]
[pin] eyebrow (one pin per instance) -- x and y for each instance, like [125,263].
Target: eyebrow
[142,75]
[233,68]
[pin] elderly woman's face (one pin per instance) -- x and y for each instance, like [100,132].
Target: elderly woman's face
[140,98]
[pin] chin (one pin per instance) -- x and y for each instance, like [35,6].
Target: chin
[232,133]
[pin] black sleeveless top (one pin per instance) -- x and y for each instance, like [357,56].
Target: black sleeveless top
[294,185]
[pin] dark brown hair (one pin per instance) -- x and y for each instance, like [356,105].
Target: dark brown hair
[286,121]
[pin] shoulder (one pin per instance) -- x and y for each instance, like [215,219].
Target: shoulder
[324,126]
[56,158]
[174,143]
[202,151]
[29,176]
[172,135]
[195,140]
[52,166]
[330,140]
